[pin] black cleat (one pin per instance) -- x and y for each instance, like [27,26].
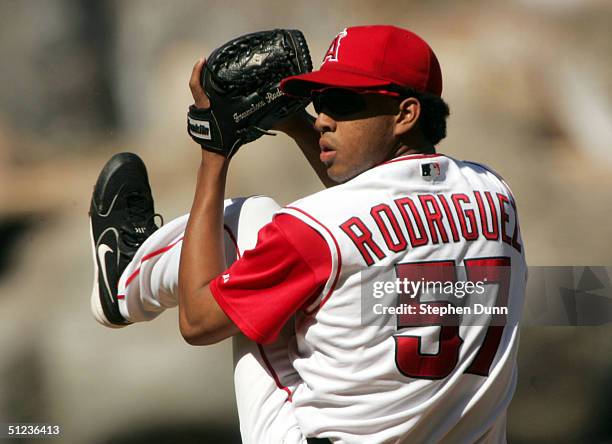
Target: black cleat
[121,218]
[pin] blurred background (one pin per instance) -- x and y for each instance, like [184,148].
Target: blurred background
[529,83]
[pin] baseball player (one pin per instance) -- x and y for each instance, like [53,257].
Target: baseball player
[288,283]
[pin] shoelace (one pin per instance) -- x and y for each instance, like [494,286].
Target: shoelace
[140,224]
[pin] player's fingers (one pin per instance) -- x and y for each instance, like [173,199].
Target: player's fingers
[195,85]
[195,74]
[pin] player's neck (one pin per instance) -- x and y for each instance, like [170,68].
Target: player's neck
[404,150]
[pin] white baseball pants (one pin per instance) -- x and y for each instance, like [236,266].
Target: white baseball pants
[263,375]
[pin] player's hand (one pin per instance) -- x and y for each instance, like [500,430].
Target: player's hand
[199,96]
[201,101]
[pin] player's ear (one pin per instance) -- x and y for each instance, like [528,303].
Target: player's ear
[408,115]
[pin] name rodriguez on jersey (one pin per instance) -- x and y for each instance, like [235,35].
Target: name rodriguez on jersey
[433,219]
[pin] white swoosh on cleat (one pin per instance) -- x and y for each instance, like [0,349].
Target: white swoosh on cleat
[103,249]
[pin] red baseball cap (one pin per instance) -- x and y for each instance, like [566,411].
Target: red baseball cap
[372,57]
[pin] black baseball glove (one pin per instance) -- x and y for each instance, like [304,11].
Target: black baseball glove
[241,79]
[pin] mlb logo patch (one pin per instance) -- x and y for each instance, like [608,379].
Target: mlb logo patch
[431,170]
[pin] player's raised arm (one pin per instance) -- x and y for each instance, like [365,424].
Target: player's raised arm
[236,100]
[201,320]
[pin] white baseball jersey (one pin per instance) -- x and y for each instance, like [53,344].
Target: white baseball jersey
[390,377]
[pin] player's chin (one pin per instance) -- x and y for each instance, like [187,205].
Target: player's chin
[338,174]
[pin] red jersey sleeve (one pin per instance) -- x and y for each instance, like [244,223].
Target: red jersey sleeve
[288,267]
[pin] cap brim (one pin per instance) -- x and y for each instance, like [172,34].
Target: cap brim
[303,84]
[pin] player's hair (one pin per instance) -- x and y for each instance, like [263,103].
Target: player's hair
[434,112]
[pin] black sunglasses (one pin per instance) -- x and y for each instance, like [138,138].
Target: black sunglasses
[342,102]
[338,102]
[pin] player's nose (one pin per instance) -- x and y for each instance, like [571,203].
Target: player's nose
[325,123]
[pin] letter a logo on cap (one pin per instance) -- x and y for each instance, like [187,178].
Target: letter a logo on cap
[332,53]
